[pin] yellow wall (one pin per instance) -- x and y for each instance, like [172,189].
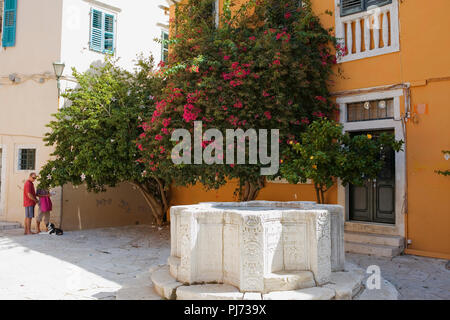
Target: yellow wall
[423,62]
[119,206]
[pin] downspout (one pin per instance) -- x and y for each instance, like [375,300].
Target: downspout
[405,119]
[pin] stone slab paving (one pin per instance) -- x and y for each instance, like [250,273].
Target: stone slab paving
[414,277]
[90,264]
[115,263]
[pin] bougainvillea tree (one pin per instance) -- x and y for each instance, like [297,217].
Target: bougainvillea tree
[94,135]
[265,65]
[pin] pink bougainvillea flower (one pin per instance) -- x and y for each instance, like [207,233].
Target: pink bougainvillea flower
[318,114]
[140,147]
[226,57]
[252,38]
[287,15]
[277,62]
[227,76]
[268,115]
[238,104]
[166,122]
[320,98]
[265,94]
[234,65]
[158,137]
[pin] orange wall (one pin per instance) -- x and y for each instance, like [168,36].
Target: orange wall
[424,48]
[272,191]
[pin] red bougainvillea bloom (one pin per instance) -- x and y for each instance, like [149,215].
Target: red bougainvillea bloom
[265,94]
[140,147]
[166,122]
[318,114]
[190,113]
[234,65]
[253,38]
[268,115]
[287,15]
[227,76]
[320,98]
[238,104]
[277,62]
[158,137]
[226,57]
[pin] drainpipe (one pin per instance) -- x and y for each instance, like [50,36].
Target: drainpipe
[407,116]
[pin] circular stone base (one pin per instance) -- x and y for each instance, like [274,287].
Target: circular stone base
[343,285]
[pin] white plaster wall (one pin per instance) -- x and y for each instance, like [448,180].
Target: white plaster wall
[26,106]
[135,30]
[38,34]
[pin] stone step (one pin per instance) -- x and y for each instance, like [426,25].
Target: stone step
[380,239]
[288,280]
[9,225]
[372,249]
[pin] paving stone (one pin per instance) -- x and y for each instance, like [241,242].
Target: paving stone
[138,293]
[316,293]
[346,284]
[252,296]
[165,285]
[209,292]
[386,292]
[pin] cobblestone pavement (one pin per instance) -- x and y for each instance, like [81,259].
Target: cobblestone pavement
[95,264]
[414,277]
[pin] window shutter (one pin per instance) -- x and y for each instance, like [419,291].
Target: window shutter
[9,23]
[96,38]
[377,3]
[109,33]
[351,6]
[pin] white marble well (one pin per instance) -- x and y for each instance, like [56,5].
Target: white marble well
[257,246]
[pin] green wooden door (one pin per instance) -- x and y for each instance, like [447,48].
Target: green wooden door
[375,200]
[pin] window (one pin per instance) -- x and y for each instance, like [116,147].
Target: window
[354,6]
[102,32]
[27,159]
[370,110]
[8,22]
[164,46]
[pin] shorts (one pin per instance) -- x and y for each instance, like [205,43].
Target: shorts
[43,216]
[29,212]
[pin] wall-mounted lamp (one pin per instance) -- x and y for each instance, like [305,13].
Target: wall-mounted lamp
[59,69]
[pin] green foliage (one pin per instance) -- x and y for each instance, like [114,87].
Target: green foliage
[266,67]
[95,134]
[324,153]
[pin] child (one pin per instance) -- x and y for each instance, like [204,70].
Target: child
[45,206]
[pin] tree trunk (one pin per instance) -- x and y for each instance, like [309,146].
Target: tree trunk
[317,193]
[250,190]
[157,206]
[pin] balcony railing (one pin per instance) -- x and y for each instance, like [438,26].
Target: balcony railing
[367,34]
